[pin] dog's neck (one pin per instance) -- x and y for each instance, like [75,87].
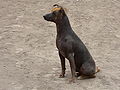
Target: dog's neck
[63,26]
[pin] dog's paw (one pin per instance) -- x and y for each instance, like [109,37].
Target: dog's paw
[77,74]
[87,77]
[61,76]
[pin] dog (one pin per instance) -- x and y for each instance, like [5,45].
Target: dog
[71,47]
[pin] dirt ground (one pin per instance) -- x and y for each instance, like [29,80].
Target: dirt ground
[28,55]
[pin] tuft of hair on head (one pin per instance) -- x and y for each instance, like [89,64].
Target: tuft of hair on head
[57,7]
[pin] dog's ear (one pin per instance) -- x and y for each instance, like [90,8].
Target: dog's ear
[55,5]
[60,8]
[62,11]
[66,10]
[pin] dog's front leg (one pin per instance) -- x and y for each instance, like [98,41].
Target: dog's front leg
[62,65]
[72,66]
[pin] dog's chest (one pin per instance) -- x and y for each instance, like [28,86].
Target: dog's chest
[63,45]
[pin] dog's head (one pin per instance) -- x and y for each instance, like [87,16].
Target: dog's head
[57,13]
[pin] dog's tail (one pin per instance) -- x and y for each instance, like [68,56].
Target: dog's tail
[97,70]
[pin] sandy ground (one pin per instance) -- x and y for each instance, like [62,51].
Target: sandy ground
[28,55]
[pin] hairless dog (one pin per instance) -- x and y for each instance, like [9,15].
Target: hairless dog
[71,47]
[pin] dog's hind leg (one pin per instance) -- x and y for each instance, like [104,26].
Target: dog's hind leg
[62,65]
[88,69]
[92,75]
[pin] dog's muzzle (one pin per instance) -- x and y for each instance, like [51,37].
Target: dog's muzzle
[48,17]
[44,17]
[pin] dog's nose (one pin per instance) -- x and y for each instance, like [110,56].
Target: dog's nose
[44,17]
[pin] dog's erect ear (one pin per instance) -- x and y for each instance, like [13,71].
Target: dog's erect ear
[58,6]
[55,5]
[62,11]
